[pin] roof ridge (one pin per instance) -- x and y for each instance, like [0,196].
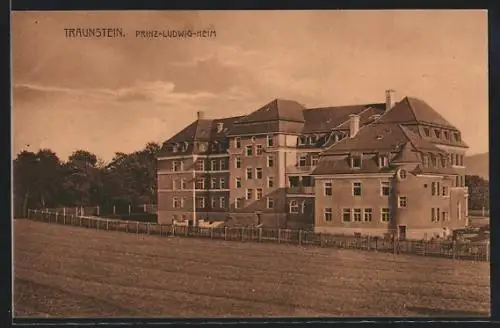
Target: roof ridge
[410,105]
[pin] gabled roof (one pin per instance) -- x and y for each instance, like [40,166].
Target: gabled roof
[276,110]
[406,155]
[325,119]
[204,129]
[413,110]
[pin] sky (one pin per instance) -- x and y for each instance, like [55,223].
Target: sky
[117,94]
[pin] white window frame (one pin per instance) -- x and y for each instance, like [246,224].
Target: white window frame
[247,149]
[259,150]
[175,166]
[367,214]
[314,160]
[353,160]
[202,183]
[257,170]
[402,201]
[175,202]
[302,158]
[344,212]
[238,202]
[183,184]
[270,159]
[259,193]
[222,164]
[249,194]
[327,211]
[213,183]
[222,202]
[269,141]
[213,165]
[174,184]
[383,185]
[360,188]
[293,207]
[270,203]
[198,164]
[357,212]
[237,142]
[237,162]
[270,182]
[222,183]
[213,202]
[385,211]
[327,186]
[236,180]
[249,170]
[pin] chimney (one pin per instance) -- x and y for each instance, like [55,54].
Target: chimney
[201,115]
[353,125]
[390,99]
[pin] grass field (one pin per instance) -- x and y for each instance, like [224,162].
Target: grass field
[63,271]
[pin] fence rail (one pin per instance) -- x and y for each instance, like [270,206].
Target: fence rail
[452,250]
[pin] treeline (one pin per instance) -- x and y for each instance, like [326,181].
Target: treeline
[479,192]
[43,180]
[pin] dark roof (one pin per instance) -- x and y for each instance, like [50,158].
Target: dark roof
[407,154]
[420,169]
[276,110]
[327,118]
[410,110]
[343,166]
[204,129]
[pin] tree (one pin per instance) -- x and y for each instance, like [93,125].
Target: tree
[479,192]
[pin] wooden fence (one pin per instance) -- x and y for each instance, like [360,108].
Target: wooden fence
[452,250]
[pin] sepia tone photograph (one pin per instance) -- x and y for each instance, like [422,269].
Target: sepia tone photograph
[250,164]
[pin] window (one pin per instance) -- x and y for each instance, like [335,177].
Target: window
[237,162]
[200,165]
[270,182]
[238,202]
[175,166]
[444,216]
[213,183]
[213,165]
[222,202]
[258,173]
[200,183]
[383,161]
[258,150]
[213,202]
[328,188]
[249,173]
[385,188]
[356,162]
[437,133]
[183,184]
[328,214]
[435,214]
[446,135]
[270,141]
[368,214]
[249,150]
[357,215]
[385,214]
[237,142]
[457,136]
[238,182]
[314,160]
[182,165]
[433,160]
[270,161]
[270,203]
[258,194]
[402,174]
[425,160]
[222,164]
[294,207]
[249,194]
[301,141]
[445,191]
[176,202]
[346,215]
[174,184]
[302,160]
[200,202]
[402,201]
[222,183]
[356,189]
[427,132]
[444,161]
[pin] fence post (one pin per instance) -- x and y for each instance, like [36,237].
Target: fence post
[64,218]
[300,237]
[137,227]
[56,218]
[107,225]
[225,233]
[369,241]
[149,227]
[260,235]
[279,235]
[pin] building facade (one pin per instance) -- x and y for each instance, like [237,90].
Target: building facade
[386,168]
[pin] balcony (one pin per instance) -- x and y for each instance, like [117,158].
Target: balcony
[301,190]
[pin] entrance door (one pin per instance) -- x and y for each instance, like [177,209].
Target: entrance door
[402,232]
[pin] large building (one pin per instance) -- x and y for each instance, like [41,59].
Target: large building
[384,168]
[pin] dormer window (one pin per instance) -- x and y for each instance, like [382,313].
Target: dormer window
[270,141]
[383,160]
[220,127]
[437,133]
[356,162]
[457,136]
[301,141]
[175,148]
[185,146]
[202,147]
[425,160]
[444,161]
[446,135]
[312,140]
[434,161]
[427,132]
